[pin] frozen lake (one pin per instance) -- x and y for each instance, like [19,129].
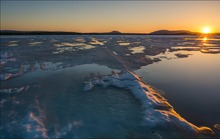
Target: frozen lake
[42,80]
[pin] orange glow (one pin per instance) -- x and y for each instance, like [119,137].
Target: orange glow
[98,16]
[204,39]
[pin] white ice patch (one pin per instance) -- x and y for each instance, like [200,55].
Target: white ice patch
[124,43]
[34,43]
[114,53]
[7,76]
[4,61]
[14,90]
[96,41]
[158,112]
[13,41]
[70,47]
[13,44]
[80,39]
[53,40]
[80,45]
[67,44]
[139,49]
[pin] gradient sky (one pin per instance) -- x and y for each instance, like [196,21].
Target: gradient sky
[101,16]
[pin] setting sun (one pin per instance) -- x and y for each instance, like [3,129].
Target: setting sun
[206,30]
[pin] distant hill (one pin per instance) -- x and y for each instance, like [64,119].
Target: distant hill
[174,32]
[115,32]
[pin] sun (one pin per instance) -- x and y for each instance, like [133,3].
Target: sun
[206,30]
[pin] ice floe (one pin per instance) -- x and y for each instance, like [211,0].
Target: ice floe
[124,43]
[138,49]
[65,46]
[6,57]
[13,44]
[7,76]
[95,41]
[4,61]
[35,43]
[217,126]
[157,111]
[14,90]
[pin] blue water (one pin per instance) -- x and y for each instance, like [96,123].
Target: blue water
[190,84]
[42,79]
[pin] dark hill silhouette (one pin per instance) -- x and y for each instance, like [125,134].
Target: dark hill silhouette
[115,32]
[174,32]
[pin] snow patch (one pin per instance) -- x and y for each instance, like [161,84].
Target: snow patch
[138,49]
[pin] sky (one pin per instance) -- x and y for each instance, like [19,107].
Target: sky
[105,16]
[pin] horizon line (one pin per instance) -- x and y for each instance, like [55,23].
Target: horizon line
[116,31]
[103,31]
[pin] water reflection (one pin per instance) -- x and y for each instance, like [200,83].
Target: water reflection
[186,79]
[210,45]
[204,44]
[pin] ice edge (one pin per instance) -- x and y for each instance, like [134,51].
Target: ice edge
[158,111]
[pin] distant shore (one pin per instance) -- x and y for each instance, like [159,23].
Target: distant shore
[159,32]
[63,33]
